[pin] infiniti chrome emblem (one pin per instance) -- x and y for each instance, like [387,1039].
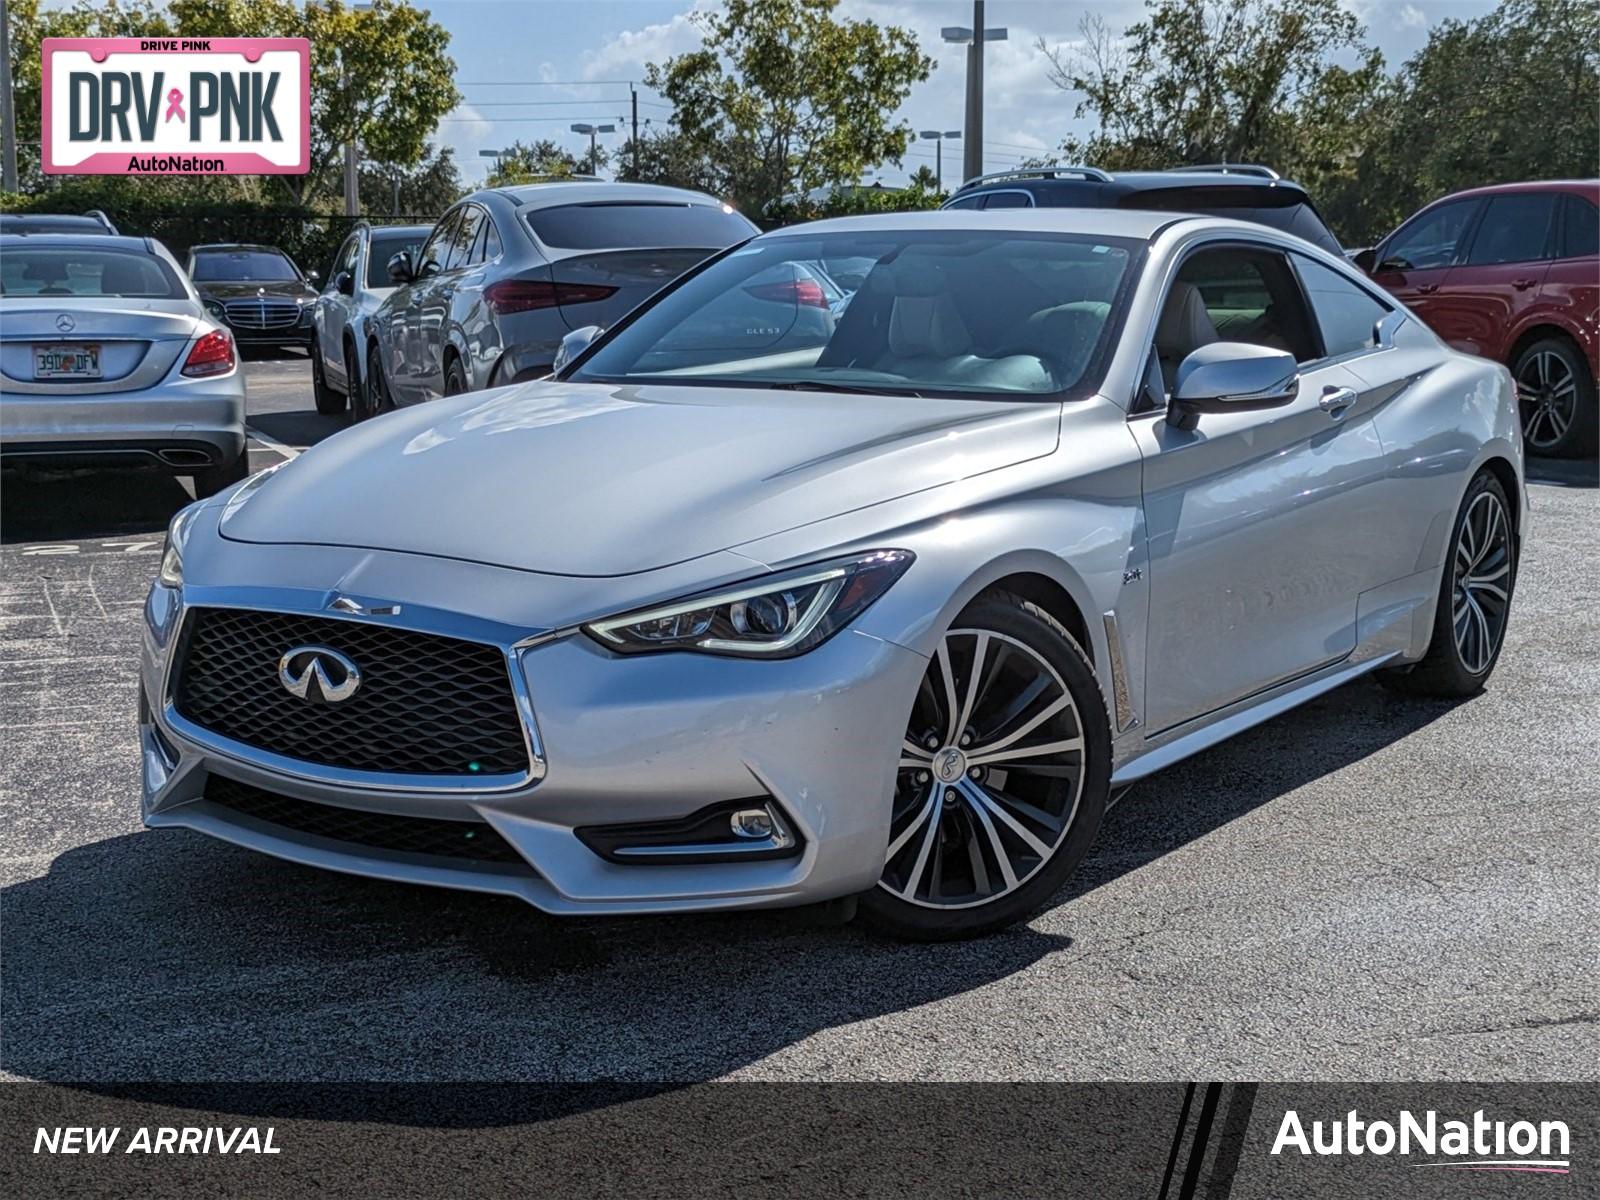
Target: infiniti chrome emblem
[65,323]
[319,674]
[950,765]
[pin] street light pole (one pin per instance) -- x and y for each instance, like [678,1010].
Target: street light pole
[974,39]
[8,114]
[937,137]
[593,131]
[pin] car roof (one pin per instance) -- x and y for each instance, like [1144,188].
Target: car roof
[586,191]
[1121,183]
[1094,222]
[229,247]
[78,220]
[419,229]
[100,241]
[1586,187]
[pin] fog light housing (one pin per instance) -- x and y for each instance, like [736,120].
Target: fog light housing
[751,823]
[748,830]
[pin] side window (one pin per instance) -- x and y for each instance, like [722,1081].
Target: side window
[490,250]
[1008,200]
[966,202]
[1430,240]
[437,247]
[1581,235]
[1347,313]
[345,260]
[1234,294]
[1515,228]
[465,239]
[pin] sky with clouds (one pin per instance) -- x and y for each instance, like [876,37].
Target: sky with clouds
[530,69]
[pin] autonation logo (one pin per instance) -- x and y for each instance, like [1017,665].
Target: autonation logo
[1480,1144]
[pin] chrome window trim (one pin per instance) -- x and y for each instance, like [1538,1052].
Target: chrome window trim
[509,640]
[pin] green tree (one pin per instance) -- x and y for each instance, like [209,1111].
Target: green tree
[1512,95]
[1211,80]
[667,157]
[424,190]
[380,76]
[543,159]
[784,96]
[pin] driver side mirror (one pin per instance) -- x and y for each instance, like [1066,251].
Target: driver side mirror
[574,344]
[1365,261]
[399,267]
[344,282]
[1231,377]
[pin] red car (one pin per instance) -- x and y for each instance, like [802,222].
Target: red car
[1511,272]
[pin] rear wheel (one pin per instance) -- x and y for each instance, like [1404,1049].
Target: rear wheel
[1556,394]
[1474,599]
[1003,777]
[213,479]
[455,377]
[329,402]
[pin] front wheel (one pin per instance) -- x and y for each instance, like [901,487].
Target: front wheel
[329,402]
[1003,777]
[376,391]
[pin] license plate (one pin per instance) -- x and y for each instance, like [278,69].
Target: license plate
[66,362]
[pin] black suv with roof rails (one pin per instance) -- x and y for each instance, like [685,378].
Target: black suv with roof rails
[1240,191]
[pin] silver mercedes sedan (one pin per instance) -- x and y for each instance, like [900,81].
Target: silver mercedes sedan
[108,358]
[764,601]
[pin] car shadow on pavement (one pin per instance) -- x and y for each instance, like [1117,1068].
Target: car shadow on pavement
[1564,472]
[65,506]
[169,956]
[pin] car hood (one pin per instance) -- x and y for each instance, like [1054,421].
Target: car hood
[212,290]
[600,480]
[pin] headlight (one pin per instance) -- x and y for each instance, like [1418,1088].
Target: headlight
[777,617]
[171,573]
[217,312]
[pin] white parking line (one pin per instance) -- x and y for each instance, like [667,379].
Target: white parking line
[272,444]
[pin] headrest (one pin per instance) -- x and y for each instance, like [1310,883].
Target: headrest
[1185,324]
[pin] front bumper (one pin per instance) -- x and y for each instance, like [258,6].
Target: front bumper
[169,424]
[616,740]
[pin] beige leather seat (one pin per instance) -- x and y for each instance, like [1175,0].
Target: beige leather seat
[1184,327]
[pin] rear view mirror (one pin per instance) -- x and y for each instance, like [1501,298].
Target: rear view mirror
[574,344]
[399,267]
[1231,377]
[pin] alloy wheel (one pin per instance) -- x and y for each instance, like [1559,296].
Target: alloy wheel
[1548,394]
[991,772]
[1481,596]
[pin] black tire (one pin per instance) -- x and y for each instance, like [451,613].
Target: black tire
[354,385]
[455,377]
[375,395]
[1065,793]
[213,479]
[1556,399]
[329,402]
[1444,671]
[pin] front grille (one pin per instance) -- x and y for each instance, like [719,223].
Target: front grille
[426,705]
[261,313]
[382,831]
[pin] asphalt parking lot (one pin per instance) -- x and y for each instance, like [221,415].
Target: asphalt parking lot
[1371,887]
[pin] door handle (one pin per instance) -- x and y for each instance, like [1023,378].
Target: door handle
[1336,401]
[1523,285]
[1427,289]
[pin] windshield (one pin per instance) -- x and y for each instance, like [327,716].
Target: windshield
[384,247]
[941,312]
[55,271]
[242,266]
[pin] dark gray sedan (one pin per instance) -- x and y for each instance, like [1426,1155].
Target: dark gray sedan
[508,272]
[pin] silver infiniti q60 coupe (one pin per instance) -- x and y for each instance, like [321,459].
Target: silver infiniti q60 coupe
[764,600]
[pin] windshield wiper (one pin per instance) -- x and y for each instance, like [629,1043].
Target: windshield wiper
[853,389]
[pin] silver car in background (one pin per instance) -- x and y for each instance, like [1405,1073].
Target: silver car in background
[108,358]
[508,272]
[755,605]
[358,282]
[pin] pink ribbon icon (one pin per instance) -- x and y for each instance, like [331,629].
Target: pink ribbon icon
[175,105]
